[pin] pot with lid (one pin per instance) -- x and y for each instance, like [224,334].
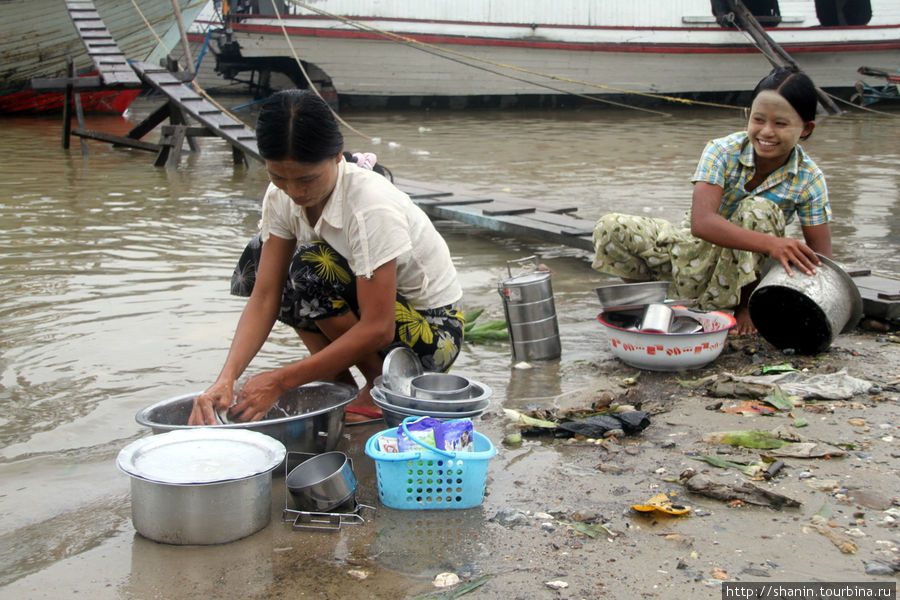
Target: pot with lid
[201,486]
[530,314]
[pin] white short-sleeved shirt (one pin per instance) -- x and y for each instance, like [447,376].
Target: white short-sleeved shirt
[370,222]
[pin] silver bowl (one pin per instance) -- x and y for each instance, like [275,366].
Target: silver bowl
[481,395]
[441,386]
[309,418]
[632,294]
[322,482]
[393,415]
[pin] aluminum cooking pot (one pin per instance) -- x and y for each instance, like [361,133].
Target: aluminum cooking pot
[322,482]
[805,312]
[201,486]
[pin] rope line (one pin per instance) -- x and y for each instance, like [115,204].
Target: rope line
[417,43]
[308,79]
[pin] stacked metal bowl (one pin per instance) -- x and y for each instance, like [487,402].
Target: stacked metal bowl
[397,406]
[405,390]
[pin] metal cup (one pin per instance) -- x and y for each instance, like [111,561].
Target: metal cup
[657,319]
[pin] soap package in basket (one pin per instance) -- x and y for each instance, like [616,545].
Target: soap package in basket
[456,435]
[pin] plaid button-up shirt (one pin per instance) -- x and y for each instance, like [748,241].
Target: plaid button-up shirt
[797,187]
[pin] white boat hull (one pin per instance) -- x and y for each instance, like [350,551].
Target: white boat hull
[481,58]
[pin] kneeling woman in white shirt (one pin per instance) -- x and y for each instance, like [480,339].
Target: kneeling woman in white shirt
[344,258]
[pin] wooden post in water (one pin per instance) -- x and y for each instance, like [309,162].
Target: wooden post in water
[744,19]
[67,104]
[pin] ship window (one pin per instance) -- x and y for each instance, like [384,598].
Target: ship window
[765,11]
[836,13]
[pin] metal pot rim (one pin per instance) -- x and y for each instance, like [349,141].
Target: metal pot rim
[856,302]
[306,485]
[141,416]
[256,454]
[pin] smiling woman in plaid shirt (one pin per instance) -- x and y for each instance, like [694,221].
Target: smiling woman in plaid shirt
[747,187]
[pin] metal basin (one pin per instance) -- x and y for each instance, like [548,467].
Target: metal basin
[309,418]
[393,414]
[322,482]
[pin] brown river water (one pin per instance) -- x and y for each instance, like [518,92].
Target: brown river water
[115,295]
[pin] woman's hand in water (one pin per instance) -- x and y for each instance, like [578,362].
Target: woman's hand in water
[256,397]
[218,396]
[789,251]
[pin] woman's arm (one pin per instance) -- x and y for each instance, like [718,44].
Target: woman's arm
[252,330]
[707,224]
[353,342]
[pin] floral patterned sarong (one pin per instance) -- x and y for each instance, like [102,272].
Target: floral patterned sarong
[320,284]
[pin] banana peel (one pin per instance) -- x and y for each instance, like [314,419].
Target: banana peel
[664,504]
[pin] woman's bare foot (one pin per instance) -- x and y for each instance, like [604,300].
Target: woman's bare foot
[744,323]
[363,409]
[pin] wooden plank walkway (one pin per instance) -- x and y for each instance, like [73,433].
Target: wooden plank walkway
[503,214]
[101,47]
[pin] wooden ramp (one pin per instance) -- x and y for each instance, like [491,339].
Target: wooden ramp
[101,47]
[215,120]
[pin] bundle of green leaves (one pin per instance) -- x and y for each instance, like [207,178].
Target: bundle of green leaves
[483,332]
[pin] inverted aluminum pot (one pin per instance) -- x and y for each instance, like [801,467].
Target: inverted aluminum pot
[322,482]
[309,418]
[201,486]
[805,312]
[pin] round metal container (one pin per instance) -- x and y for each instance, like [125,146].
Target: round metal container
[481,395]
[322,482]
[441,386]
[657,319]
[309,418]
[201,486]
[400,366]
[805,312]
[531,316]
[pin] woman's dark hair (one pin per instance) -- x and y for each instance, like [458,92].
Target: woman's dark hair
[297,125]
[793,85]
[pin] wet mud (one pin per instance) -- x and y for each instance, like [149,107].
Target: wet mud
[557,520]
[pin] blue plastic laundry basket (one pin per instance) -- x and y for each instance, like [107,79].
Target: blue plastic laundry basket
[430,478]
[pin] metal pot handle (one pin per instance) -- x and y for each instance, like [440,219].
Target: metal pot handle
[533,257]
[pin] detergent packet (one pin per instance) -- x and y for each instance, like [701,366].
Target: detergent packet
[423,429]
[456,435]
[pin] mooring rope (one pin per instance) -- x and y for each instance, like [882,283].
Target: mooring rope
[441,51]
[309,80]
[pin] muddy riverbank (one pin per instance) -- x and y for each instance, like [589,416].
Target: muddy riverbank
[558,511]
